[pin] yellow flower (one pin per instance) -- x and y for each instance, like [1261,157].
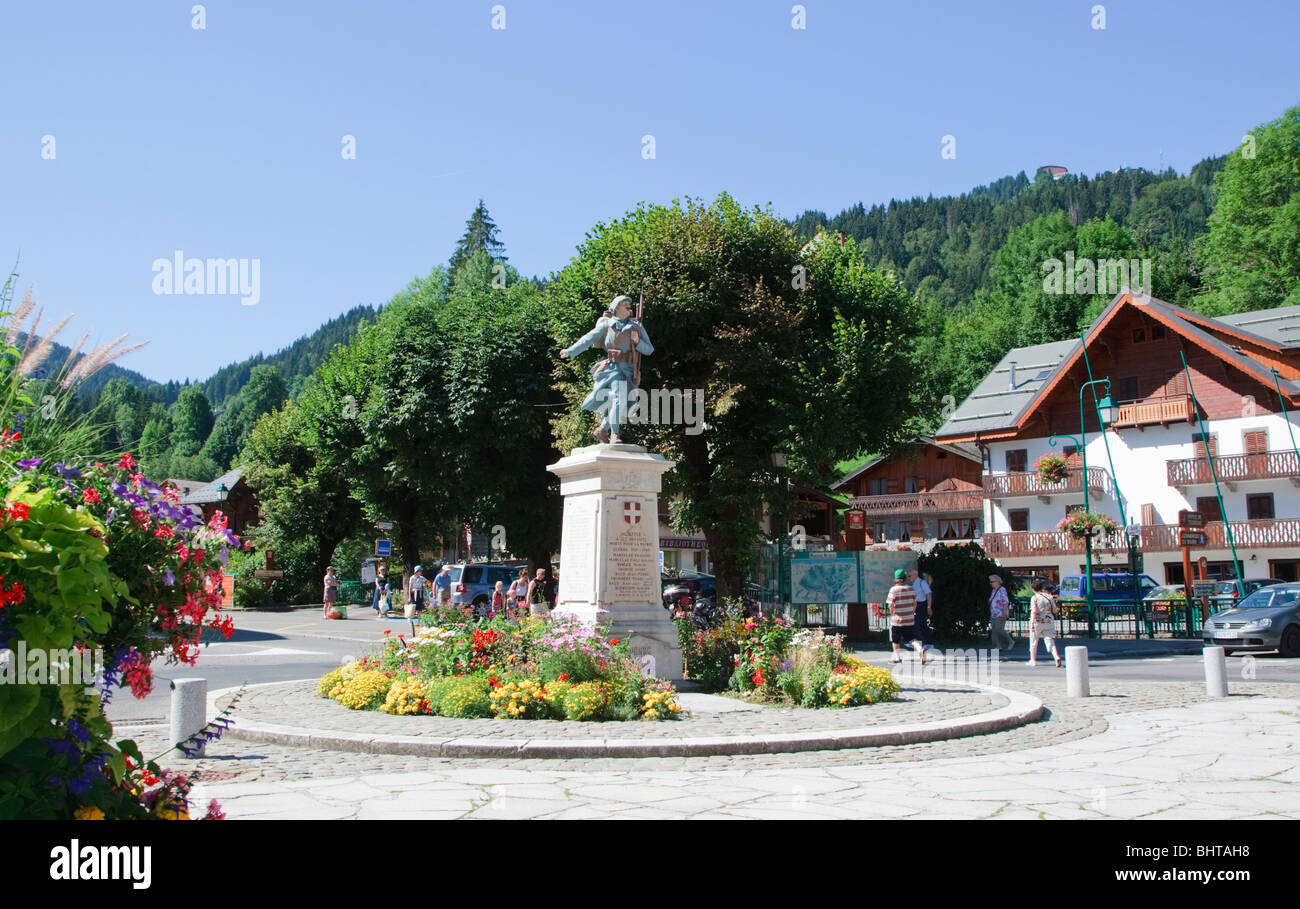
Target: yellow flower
[88,813]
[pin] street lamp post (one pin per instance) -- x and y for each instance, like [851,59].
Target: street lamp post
[1105,415]
[778,462]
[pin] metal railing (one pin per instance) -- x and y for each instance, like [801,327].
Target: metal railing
[1011,485]
[1271,465]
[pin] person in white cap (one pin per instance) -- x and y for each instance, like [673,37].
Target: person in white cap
[623,338]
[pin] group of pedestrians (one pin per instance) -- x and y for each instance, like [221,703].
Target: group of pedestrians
[911,607]
[525,595]
[1042,619]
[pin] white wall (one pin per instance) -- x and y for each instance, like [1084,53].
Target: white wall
[1139,459]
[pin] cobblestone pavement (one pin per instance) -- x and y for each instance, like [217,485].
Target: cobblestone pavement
[1155,749]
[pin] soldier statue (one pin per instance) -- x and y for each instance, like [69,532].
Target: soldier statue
[624,340]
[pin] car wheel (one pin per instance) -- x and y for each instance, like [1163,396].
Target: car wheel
[1290,643]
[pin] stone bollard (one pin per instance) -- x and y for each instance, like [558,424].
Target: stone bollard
[189,709]
[1076,672]
[1216,673]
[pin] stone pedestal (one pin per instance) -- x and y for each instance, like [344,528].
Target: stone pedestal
[609,550]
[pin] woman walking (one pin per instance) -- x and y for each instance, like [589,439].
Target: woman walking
[1042,622]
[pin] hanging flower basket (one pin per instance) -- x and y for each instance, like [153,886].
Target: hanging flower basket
[1053,468]
[1080,524]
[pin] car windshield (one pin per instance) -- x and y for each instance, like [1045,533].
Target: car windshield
[455,573]
[1270,598]
[473,574]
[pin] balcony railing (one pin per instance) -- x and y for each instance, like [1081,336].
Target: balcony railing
[1011,485]
[1271,465]
[962,501]
[1163,410]
[1271,534]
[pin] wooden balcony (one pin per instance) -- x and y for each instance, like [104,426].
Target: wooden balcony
[1013,485]
[1271,465]
[1163,410]
[964,501]
[1273,534]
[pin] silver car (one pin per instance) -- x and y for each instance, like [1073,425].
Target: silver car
[1268,619]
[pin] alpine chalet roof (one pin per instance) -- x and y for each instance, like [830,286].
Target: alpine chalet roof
[970,452]
[1000,402]
[211,492]
[997,403]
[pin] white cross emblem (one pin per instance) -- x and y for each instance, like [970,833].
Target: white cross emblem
[632,512]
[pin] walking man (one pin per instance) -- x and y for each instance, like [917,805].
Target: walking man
[999,610]
[902,614]
[924,609]
[442,586]
[415,591]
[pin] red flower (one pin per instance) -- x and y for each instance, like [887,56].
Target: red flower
[218,521]
[564,676]
[126,462]
[388,631]
[7,438]
[19,511]
[214,812]
[163,532]
[613,642]
[91,494]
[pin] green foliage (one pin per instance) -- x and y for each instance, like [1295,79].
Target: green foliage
[480,236]
[792,349]
[815,694]
[961,589]
[461,697]
[1252,252]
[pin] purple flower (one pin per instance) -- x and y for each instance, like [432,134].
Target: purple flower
[168,578]
[224,556]
[29,463]
[68,473]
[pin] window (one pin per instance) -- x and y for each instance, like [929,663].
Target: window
[1177,385]
[1199,445]
[1126,389]
[1255,441]
[1209,506]
[957,529]
[941,455]
[473,574]
[1157,332]
[1018,518]
[913,484]
[878,486]
[1139,335]
[877,533]
[1259,507]
[1017,460]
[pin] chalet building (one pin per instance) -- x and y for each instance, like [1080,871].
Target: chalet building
[922,494]
[1157,446]
[231,495]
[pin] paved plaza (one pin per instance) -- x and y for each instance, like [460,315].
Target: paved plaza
[1137,748]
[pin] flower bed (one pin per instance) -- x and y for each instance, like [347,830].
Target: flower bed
[763,658]
[505,668]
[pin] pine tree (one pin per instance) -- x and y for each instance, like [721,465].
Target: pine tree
[480,233]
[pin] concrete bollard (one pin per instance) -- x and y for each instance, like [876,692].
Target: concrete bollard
[1216,673]
[189,709]
[1076,672]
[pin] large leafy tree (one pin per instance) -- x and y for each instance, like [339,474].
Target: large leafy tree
[799,351]
[305,497]
[1252,252]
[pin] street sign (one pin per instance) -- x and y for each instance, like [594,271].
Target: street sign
[1191,538]
[1203,588]
[268,574]
[384,525]
[383,548]
[1190,519]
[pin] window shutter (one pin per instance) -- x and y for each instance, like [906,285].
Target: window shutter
[1148,514]
[1255,441]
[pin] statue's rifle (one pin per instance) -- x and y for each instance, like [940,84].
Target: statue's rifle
[636,354]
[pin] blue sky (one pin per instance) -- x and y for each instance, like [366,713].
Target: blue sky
[226,141]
